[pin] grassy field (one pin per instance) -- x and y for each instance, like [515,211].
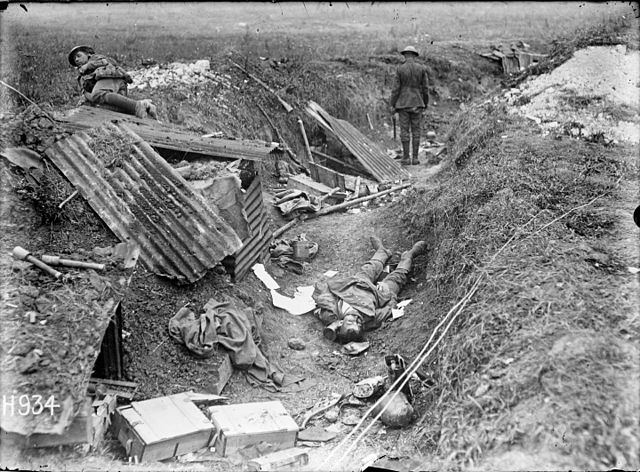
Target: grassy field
[35,43]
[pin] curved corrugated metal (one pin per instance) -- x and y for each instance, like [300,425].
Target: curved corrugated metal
[373,159]
[142,199]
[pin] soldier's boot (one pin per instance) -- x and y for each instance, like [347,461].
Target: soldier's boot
[141,109]
[407,256]
[416,150]
[150,108]
[125,104]
[382,254]
[406,158]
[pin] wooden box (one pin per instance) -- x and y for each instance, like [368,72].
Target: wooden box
[244,424]
[161,428]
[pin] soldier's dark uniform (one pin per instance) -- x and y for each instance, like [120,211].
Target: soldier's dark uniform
[362,295]
[104,82]
[410,98]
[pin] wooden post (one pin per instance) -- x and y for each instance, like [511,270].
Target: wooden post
[282,229]
[306,141]
[356,192]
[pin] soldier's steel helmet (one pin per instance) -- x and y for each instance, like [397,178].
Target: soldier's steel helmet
[72,53]
[410,49]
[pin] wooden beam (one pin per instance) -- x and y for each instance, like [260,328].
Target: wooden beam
[283,229]
[338,161]
[306,141]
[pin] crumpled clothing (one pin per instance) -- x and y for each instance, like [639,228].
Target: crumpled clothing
[297,200]
[234,329]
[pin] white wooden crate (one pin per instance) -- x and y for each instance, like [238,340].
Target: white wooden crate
[163,427]
[245,424]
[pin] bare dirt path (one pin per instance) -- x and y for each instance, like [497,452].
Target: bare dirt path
[343,240]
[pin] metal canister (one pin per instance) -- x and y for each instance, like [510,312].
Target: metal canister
[301,250]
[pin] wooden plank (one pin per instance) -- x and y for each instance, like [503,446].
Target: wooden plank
[162,417]
[313,171]
[168,138]
[294,457]
[304,183]
[327,176]
[115,383]
[337,161]
[191,412]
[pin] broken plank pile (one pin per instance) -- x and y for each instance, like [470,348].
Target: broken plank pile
[515,58]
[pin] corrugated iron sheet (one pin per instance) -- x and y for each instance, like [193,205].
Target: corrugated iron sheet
[256,247]
[162,136]
[142,199]
[373,159]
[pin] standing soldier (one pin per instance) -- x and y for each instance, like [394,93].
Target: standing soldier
[104,82]
[409,99]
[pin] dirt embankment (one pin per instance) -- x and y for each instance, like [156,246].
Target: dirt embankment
[542,369]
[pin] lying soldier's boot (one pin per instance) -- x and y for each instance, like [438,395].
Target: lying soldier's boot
[376,242]
[152,110]
[407,256]
[418,248]
[120,102]
[141,109]
[382,254]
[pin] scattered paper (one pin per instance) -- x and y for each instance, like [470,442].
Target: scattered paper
[264,276]
[633,270]
[330,273]
[398,311]
[301,303]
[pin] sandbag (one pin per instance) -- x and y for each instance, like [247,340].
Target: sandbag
[398,413]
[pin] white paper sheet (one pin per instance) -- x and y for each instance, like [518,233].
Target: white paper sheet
[398,311]
[301,303]
[264,276]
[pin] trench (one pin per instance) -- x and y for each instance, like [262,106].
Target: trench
[161,366]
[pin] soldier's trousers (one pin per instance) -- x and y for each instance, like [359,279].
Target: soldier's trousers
[410,124]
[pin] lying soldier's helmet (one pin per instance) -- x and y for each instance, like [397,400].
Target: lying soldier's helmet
[72,53]
[351,329]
